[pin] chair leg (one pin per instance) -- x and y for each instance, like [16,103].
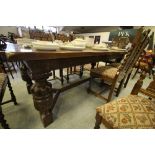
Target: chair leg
[150,73]
[93,65]
[3,121]
[12,93]
[71,70]
[98,94]
[97,65]
[81,71]
[9,70]
[98,121]
[18,64]
[13,66]
[89,86]
[53,74]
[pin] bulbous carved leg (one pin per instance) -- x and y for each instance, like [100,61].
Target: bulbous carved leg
[2,120]
[98,121]
[26,78]
[43,99]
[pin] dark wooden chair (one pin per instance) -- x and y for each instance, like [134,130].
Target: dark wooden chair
[4,82]
[111,75]
[145,63]
[9,66]
[130,112]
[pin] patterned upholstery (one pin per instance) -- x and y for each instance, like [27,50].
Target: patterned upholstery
[128,112]
[3,80]
[142,65]
[106,73]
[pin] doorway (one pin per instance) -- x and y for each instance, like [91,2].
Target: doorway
[97,39]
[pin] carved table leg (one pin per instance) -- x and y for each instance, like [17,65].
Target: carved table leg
[26,77]
[43,99]
[13,97]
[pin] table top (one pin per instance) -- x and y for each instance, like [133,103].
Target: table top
[15,53]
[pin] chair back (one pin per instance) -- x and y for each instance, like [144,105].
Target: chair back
[141,49]
[139,44]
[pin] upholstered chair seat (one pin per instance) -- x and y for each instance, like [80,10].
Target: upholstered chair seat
[106,73]
[132,112]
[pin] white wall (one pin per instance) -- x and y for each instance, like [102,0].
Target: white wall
[5,29]
[104,35]
[100,31]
